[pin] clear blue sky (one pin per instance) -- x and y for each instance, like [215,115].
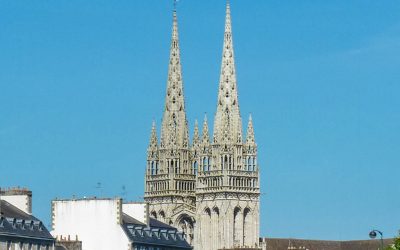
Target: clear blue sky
[81,81]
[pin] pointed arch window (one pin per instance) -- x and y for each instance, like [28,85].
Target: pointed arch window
[153,168]
[246,225]
[249,163]
[177,170]
[205,164]
[195,167]
[226,162]
[237,227]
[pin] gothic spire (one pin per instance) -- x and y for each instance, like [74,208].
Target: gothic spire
[153,144]
[196,136]
[250,138]
[174,129]
[228,125]
[205,138]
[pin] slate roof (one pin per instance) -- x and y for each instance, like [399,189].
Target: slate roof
[283,244]
[159,224]
[158,234]
[17,223]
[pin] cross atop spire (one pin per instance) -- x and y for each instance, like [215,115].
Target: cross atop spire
[174,129]
[227,126]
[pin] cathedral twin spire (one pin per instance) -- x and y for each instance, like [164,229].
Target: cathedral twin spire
[212,184]
[174,128]
[227,124]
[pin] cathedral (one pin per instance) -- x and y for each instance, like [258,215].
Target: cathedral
[206,187]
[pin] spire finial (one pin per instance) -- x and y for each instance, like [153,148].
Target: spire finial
[196,136]
[250,138]
[153,144]
[175,3]
[205,139]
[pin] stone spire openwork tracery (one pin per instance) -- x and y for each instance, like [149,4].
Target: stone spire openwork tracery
[170,175]
[209,189]
[174,130]
[228,124]
[227,188]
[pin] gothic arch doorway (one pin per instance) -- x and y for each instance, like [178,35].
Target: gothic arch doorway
[185,224]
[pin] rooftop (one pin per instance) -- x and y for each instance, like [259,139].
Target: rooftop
[15,222]
[15,191]
[284,244]
[158,233]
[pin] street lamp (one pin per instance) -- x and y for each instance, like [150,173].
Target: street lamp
[373,234]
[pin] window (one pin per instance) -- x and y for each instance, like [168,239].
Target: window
[195,167]
[153,170]
[177,167]
[205,168]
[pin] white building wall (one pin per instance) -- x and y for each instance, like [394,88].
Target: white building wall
[96,222]
[23,202]
[137,210]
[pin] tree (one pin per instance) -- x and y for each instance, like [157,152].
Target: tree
[396,244]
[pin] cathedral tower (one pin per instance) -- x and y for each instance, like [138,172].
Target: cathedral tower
[227,187]
[170,172]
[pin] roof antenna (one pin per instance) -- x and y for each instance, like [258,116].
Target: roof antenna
[175,3]
[99,188]
[123,193]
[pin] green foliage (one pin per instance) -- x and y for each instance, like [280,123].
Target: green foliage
[395,245]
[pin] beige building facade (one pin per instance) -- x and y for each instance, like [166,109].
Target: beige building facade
[209,188]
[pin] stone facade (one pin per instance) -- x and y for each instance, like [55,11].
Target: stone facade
[303,244]
[208,189]
[170,175]
[227,190]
